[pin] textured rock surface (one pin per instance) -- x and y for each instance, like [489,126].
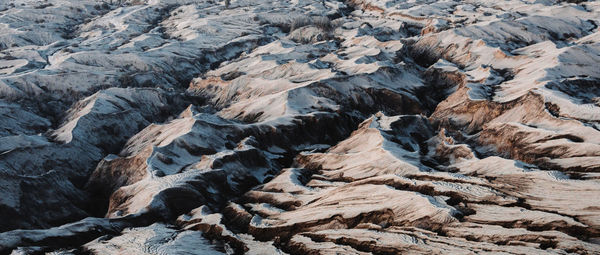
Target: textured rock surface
[299,127]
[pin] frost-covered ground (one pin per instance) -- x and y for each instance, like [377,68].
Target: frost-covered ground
[299,127]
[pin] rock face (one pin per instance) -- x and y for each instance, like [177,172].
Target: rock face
[299,127]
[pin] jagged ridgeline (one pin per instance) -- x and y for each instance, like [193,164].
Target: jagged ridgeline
[299,127]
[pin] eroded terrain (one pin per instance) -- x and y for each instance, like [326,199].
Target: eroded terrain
[299,127]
